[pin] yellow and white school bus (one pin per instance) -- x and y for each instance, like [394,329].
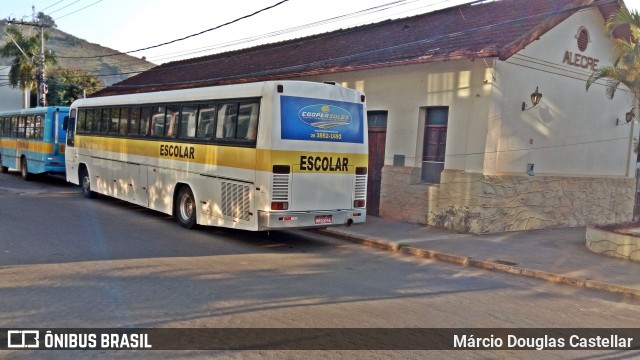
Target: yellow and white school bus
[256,156]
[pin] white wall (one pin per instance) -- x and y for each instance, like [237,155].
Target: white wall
[10,98]
[405,91]
[572,132]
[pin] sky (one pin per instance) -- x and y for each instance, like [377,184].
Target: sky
[128,25]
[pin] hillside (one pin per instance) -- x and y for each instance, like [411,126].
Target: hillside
[65,45]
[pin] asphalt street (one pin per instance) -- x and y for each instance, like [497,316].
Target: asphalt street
[67,261]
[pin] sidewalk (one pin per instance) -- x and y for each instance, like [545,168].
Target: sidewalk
[558,255]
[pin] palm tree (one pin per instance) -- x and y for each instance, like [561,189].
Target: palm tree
[626,66]
[24,51]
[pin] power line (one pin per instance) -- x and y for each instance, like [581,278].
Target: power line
[365,53]
[183,38]
[453,35]
[542,147]
[73,12]
[378,8]
[374,9]
[532,60]
[64,7]
[369,52]
[52,5]
[280,32]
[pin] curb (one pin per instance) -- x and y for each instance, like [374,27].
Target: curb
[483,264]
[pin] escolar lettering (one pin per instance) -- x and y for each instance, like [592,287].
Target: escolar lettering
[178,151]
[327,163]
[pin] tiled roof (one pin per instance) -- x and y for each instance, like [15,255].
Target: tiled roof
[478,30]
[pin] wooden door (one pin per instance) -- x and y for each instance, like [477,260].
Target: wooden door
[377,138]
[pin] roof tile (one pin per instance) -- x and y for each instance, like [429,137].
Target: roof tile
[482,29]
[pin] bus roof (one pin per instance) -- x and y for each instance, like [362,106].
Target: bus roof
[36,110]
[233,91]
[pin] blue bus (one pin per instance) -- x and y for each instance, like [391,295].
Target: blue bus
[33,140]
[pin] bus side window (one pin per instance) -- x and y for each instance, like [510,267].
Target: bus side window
[157,121]
[22,127]
[92,126]
[134,122]
[145,117]
[82,121]
[171,127]
[38,128]
[29,127]
[114,122]
[124,120]
[247,121]
[14,126]
[188,119]
[227,121]
[206,121]
[105,120]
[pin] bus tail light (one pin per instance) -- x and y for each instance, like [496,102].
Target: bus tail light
[279,205]
[281,169]
[360,188]
[280,187]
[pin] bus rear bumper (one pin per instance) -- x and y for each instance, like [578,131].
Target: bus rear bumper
[55,169]
[309,219]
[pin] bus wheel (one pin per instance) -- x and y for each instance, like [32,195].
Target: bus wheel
[24,171]
[3,168]
[85,183]
[186,208]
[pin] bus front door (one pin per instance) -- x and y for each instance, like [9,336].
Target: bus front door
[71,153]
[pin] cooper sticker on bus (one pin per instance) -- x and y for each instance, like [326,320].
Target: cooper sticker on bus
[324,116]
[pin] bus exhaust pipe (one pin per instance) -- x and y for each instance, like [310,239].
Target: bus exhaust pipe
[349,222]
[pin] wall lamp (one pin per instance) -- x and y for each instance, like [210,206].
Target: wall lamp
[628,117]
[535,100]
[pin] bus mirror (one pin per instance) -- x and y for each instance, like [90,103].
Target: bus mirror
[65,123]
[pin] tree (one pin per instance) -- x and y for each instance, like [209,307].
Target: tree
[67,85]
[25,51]
[626,66]
[45,20]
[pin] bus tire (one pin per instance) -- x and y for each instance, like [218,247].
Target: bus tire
[85,184]
[3,168]
[24,169]
[185,208]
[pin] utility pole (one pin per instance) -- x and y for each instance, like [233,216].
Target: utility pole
[40,74]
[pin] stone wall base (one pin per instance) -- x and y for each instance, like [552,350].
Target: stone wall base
[626,246]
[477,203]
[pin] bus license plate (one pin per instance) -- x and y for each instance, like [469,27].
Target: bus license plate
[323,219]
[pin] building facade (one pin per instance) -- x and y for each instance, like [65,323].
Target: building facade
[568,161]
[455,140]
